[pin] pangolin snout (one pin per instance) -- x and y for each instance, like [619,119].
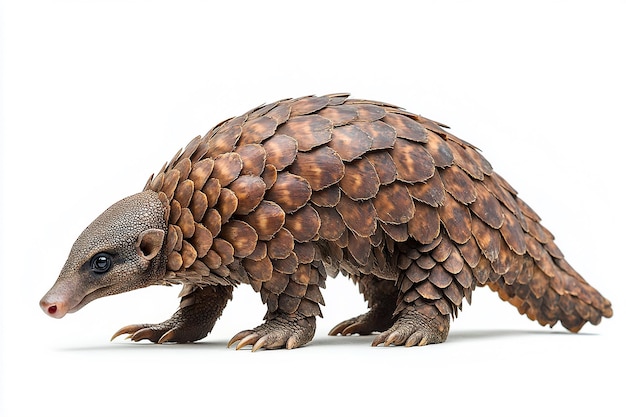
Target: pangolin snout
[53,308]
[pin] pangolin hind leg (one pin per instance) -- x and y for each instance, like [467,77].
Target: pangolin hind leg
[424,304]
[415,323]
[198,311]
[381,298]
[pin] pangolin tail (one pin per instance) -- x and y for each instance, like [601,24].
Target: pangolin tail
[557,294]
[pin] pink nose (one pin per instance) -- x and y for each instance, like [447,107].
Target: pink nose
[56,309]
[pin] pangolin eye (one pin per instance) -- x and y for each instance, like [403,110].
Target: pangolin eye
[101,263]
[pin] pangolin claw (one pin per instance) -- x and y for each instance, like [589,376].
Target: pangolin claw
[166,332]
[250,339]
[138,332]
[236,338]
[261,343]
[372,321]
[142,334]
[289,331]
[415,329]
[292,342]
[128,330]
[416,339]
[257,341]
[387,338]
[397,338]
[169,335]
[356,328]
[344,328]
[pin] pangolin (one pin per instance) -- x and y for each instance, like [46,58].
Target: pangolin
[301,189]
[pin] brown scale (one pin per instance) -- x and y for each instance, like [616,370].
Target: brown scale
[296,189]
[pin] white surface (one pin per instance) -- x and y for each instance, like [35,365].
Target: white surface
[97,95]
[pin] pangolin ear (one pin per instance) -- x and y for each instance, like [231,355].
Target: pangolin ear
[149,243]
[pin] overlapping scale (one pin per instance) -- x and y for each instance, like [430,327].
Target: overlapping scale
[321,167]
[281,151]
[488,239]
[224,140]
[456,219]
[253,158]
[309,131]
[413,162]
[279,112]
[198,205]
[226,204]
[290,192]
[259,252]
[328,197]
[383,136]
[267,219]
[241,236]
[424,227]
[359,216]
[249,191]
[350,142]
[225,250]
[259,271]
[184,192]
[369,112]
[465,159]
[212,190]
[227,168]
[270,174]
[188,254]
[513,234]
[439,149]
[340,115]
[394,204]
[257,130]
[186,223]
[202,240]
[281,245]
[359,247]
[332,225]
[458,184]
[200,173]
[360,181]
[303,224]
[384,165]
[406,127]
[213,221]
[431,192]
[308,105]
[287,265]
[170,182]
[487,207]
[277,284]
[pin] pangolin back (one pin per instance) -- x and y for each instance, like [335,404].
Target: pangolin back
[295,190]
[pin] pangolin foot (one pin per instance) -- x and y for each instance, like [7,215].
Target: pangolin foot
[413,328]
[372,321]
[283,331]
[173,330]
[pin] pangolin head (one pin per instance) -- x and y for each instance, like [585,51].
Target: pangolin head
[121,250]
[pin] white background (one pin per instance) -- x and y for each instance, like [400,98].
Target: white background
[97,95]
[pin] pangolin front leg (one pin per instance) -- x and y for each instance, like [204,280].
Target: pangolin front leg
[381,296]
[282,331]
[194,319]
